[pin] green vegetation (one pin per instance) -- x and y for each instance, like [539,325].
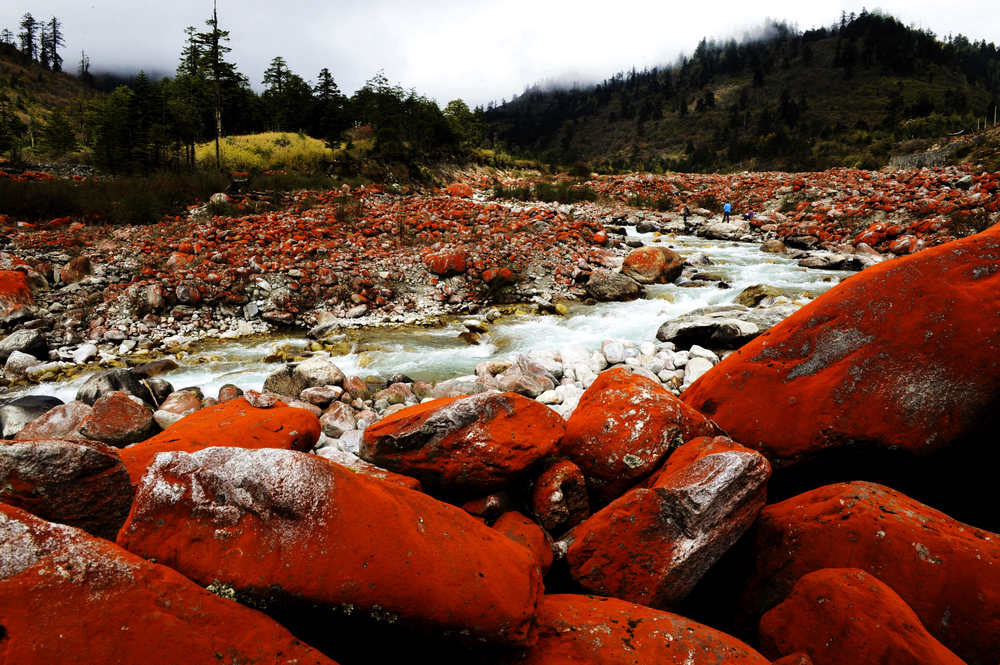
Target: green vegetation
[551,192]
[845,95]
[267,151]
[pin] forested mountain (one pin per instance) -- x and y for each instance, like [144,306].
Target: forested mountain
[851,94]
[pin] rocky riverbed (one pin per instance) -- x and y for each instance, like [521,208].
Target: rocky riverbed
[680,493]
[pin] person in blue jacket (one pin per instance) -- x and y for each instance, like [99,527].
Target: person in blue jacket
[726,209]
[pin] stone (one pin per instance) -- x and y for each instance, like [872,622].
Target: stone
[119,420]
[751,296]
[286,381]
[59,422]
[85,353]
[939,566]
[80,483]
[259,520]
[526,377]
[773,246]
[321,396]
[559,497]
[614,352]
[182,402]
[337,419]
[623,429]
[653,265]
[232,423]
[16,298]
[842,615]
[605,286]
[900,356]
[15,414]
[30,342]
[722,326]
[831,261]
[652,545]
[695,368]
[529,535]
[110,381]
[607,631]
[351,461]
[472,444]
[67,597]
[18,364]
[230,392]
[318,371]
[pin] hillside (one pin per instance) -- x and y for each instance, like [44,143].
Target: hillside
[852,95]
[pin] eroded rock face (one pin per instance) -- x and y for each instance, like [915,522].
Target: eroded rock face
[232,423]
[651,546]
[471,444]
[259,520]
[844,615]
[900,356]
[79,483]
[948,572]
[607,631]
[67,597]
[653,265]
[623,429]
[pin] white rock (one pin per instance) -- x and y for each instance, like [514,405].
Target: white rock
[695,368]
[681,358]
[647,349]
[166,418]
[700,352]
[614,352]
[84,353]
[548,360]
[18,363]
[549,397]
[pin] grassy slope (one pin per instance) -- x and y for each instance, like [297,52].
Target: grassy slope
[34,91]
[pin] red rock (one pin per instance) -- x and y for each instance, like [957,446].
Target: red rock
[600,238]
[182,402]
[15,293]
[900,356]
[623,429]
[358,465]
[80,483]
[459,189]
[118,420]
[470,444]
[948,572]
[232,423]
[66,597]
[357,388]
[60,422]
[653,265]
[651,546]
[75,270]
[260,520]
[447,262]
[794,659]
[605,631]
[527,533]
[559,497]
[844,615]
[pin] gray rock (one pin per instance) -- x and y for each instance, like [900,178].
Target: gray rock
[286,381]
[526,377]
[607,286]
[61,422]
[85,353]
[110,381]
[832,261]
[459,386]
[337,419]
[722,326]
[614,352]
[159,388]
[16,413]
[695,368]
[18,363]
[319,371]
[30,342]
[724,230]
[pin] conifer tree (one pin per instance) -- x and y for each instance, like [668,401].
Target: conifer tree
[29,30]
[214,49]
[55,40]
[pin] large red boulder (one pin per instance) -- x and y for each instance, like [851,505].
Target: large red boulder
[844,615]
[469,444]
[265,521]
[118,420]
[15,293]
[902,355]
[80,483]
[605,631]
[67,597]
[623,429]
[232,423]
[651,546]
[653,264]
[948,572]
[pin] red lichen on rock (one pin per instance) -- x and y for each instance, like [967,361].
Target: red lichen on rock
[67,597]
[261,520]
[232,423]
[470,444]
[844,615]
[902,355]
[624,427]
[948,572]
[653,265]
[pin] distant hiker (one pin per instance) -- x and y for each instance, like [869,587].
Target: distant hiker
[726,209]
[686,214]
[748,215]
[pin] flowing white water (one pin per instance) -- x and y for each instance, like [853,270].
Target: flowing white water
[434,354]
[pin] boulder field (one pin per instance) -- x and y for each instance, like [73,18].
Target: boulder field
[475,527]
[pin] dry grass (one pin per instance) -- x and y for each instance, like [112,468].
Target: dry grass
[267,151]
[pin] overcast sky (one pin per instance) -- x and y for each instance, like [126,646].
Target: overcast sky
[478,50]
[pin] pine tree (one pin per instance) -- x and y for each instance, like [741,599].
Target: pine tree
[55,40]
[6,37]
[214,50]
[29,30]
[44,55]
